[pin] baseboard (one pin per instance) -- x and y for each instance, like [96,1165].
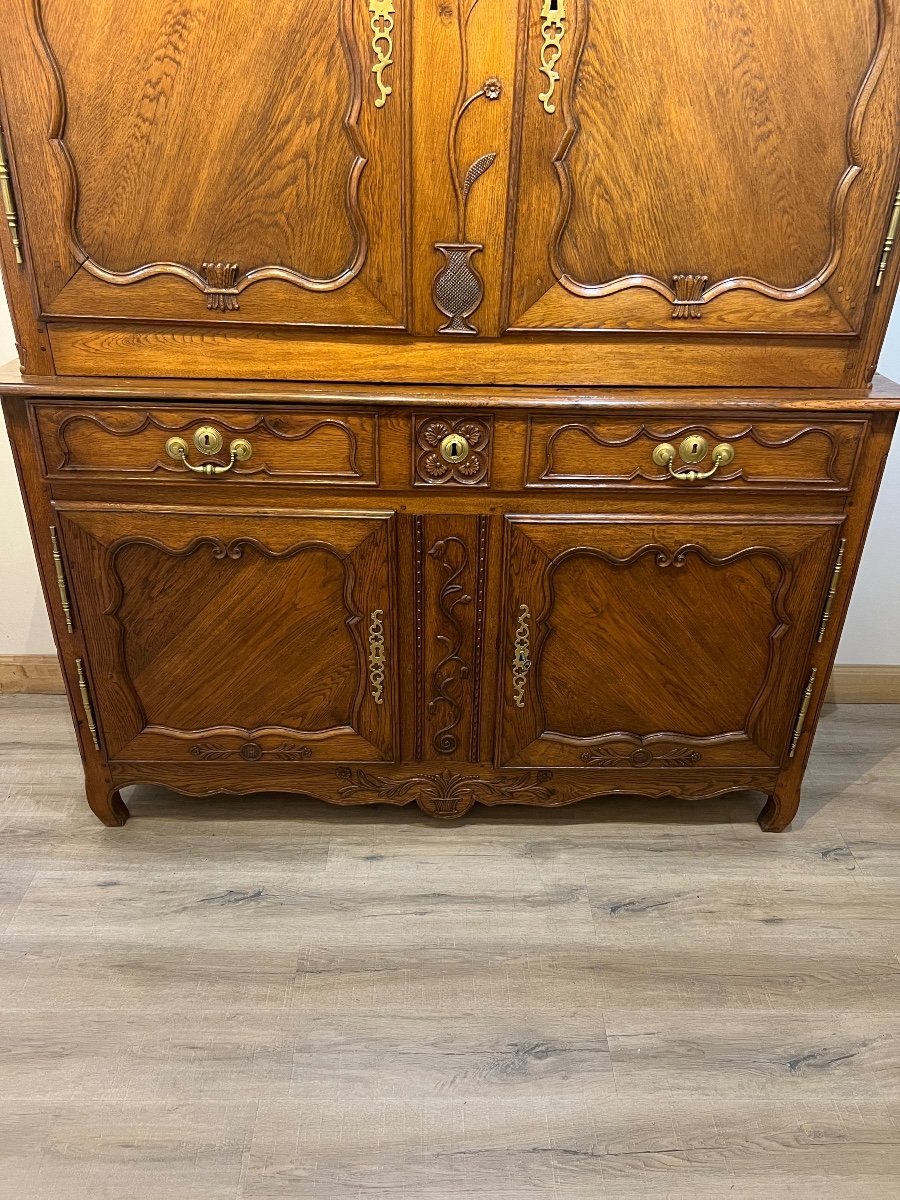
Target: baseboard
[32,674]
[864,685]
[37,674]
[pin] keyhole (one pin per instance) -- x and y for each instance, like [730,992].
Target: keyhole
[454,449]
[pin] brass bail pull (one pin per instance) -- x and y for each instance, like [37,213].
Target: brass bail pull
[692,450]
[240,450]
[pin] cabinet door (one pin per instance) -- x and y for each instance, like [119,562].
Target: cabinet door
[227,162]
[233,637]
[663,644]
[721,164]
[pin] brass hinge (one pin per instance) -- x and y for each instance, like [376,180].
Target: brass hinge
[86,701]
[61,578]
[804,709]
[9,201]
[832,589]
[889,241]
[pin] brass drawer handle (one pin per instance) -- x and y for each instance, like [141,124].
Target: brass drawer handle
[240,449]
[692,450]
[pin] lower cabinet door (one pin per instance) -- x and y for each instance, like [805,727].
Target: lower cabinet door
[236,637]
[658,644]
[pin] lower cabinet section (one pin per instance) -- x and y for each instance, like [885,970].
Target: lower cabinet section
[455,640]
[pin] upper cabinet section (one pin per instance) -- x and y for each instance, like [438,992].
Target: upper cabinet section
[684,191]
[690,167]
[196,160]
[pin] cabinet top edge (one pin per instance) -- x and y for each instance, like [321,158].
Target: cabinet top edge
[882,394]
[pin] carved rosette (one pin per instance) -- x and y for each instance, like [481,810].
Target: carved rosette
[430,465]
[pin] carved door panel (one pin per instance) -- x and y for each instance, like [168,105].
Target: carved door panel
[660,644]
[722,165]
[220,638]
[224,162]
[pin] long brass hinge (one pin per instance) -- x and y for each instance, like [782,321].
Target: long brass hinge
[61,578]
[86,701]
[889,241]
[832,589]
[9,201]
[804,709]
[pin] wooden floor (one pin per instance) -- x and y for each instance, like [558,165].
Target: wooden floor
[271,998]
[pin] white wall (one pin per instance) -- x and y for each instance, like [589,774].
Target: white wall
[872,633]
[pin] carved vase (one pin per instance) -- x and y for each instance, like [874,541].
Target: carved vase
[458,288]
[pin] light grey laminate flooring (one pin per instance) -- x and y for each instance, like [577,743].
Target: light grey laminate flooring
[270,998]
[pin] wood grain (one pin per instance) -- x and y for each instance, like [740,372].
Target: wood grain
[633,1005]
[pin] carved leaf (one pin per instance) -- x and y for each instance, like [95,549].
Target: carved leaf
[477,169]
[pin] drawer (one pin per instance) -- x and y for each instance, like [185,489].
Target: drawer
[767,453]
[291,445]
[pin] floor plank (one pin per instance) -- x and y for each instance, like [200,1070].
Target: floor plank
[257,998]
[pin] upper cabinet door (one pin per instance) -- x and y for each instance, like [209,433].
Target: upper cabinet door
[728,164]
[201,161]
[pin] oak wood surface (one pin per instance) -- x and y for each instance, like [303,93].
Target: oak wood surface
[643,1002]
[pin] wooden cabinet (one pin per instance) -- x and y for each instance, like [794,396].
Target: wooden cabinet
[450,402]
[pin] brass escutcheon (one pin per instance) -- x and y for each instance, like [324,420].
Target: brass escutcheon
[208,440]
[454,448]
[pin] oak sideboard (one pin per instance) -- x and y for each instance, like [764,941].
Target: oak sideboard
[449,401]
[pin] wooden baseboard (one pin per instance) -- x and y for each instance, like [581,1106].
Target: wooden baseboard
[39,674]
[864,685]
[30,673]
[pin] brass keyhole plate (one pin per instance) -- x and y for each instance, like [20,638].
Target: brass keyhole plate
[693,449]
[208,440]
[454,448]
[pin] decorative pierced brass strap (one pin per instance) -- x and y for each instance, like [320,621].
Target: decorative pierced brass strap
[61,578]
[804,709]
[553,30]
[86,702]
[889,241]
[382,23]
[9,202]
[521,663]
[832,590]
[376,655]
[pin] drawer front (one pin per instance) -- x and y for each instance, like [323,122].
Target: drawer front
[290,445]
[768,453]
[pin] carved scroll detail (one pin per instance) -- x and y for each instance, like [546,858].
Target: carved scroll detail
[451,671]
[458,289]
[553,29]
[446,794]
[382,23]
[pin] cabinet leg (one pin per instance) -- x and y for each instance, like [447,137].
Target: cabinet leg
[105,802]
[779,809]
